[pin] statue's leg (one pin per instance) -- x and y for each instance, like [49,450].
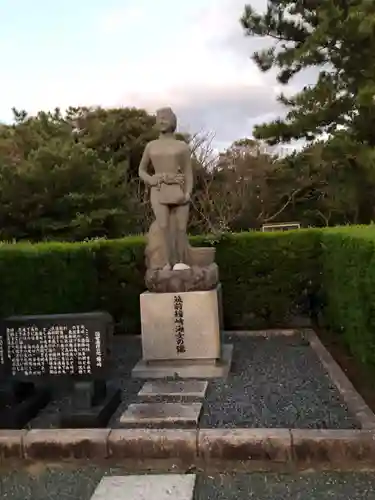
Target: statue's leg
[162,216]
[181,215]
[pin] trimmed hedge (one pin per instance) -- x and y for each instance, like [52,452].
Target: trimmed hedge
[266,277]
[47,278]
[348,288]
[120,269]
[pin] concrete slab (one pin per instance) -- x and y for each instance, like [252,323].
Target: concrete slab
[159,413]
[171,388]
[197,369]
[145,487]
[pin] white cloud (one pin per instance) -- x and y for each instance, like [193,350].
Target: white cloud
[150,53]
[196,70]
[115,20]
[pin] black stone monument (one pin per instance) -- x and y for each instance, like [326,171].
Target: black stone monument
[72,347]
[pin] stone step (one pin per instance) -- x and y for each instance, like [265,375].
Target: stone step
[173,389]
[162,413]
[146,487]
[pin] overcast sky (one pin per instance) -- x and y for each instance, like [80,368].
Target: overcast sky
[148,53]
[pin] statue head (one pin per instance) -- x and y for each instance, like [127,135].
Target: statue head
[166,120]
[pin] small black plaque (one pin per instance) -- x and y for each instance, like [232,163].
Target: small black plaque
[63,345]
[37,350]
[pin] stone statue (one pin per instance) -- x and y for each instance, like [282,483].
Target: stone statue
[171,187]
[172,264]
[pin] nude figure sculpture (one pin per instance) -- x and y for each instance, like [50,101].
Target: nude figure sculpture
[171,187]
[172,264]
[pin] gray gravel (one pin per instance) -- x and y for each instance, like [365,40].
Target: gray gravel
[45,483]
[275,487]
[275,382]
[48,483]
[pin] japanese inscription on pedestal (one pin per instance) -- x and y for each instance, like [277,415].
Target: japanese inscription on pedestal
[179,324]
[2,357]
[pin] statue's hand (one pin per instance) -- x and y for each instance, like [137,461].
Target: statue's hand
[155,180]
[187,197]
[173,179]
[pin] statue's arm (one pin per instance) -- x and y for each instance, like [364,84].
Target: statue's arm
[188,172]
[143,167]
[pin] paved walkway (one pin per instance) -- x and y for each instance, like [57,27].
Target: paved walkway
[91,483]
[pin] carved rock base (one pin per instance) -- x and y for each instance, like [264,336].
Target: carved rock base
[186,280]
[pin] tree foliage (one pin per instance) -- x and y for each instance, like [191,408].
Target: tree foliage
[69,176]
[72,176]
[338,37]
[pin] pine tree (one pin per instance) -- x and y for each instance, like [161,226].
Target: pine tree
[337,36]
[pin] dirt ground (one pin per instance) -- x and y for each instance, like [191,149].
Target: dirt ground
[362,377]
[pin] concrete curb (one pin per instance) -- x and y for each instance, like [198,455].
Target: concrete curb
[296,448]
[338,449]
[262,448]
[260,445]
[153,444]
[65,444]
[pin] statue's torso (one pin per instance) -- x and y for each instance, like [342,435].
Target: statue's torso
[167,155]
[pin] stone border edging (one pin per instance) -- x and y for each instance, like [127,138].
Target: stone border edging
[276,332]
[298,448]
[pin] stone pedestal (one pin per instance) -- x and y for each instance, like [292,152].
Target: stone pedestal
[92,405]
[181,336]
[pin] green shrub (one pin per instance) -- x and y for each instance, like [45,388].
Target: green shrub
[121,268]
[47,278]
[348,288]
[266,277]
